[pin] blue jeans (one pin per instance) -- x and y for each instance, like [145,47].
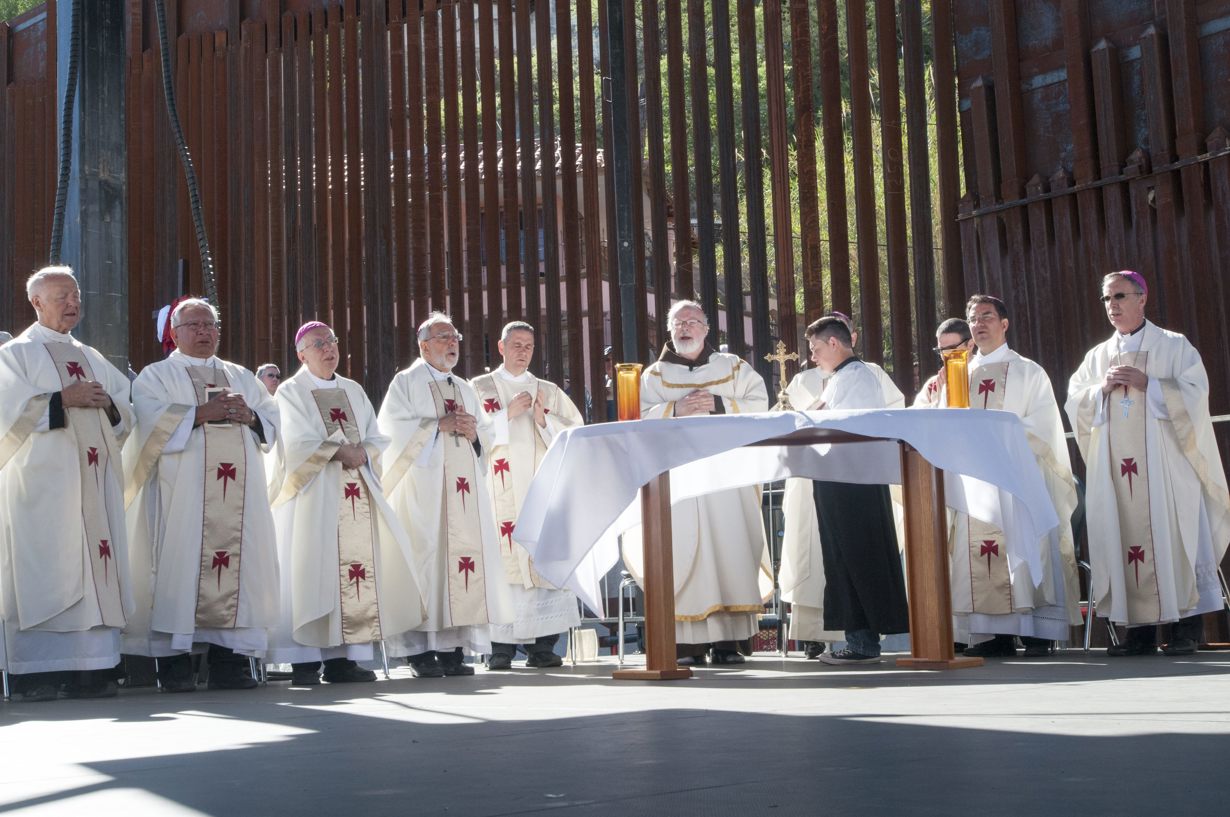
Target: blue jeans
[864,642]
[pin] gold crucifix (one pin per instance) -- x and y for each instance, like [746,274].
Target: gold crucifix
[780,358]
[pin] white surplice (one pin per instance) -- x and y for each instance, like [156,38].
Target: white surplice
[1043,606]
[518,446]
[49,602]
[305,483]
[722,569]
[801,576]
[1189,507]
[413,479]
[165,494]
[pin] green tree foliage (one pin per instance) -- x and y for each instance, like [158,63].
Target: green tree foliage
[11,8]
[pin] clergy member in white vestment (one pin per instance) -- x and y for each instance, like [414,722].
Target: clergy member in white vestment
[721,557]
[951,335]
[203,551]
[864,593]
[434,474]
[1157,507]
[992,603]
[801,575]
[527,413]
[64,588]
[344,558]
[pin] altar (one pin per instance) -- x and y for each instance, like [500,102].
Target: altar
[586,490]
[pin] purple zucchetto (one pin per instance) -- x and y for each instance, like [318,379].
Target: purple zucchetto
[308,327]
[1135,277]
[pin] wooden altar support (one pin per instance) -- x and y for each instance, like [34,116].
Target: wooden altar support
[926,556]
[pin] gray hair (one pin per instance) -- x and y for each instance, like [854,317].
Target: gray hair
[35,282]
[261,368]
[515,326]
[679,306]
[192,303]
[432,320]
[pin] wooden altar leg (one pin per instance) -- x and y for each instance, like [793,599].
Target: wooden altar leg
[926,558]
[659,581]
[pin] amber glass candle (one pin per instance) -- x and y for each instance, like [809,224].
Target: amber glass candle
[628,390]
[956,370]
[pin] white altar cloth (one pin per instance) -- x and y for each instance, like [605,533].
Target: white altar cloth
[587,491]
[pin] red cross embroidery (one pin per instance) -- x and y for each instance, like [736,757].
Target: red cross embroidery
[465,566]
[506,530]
[352,493]
[450,406]
[358,573]
[74,370]
[986,388]
[226,472]
[491,405]
[104,553]
[222,561]
[1128,469]
[463,488]
[500,467]
[1136,557]
[336,415]
[989,548]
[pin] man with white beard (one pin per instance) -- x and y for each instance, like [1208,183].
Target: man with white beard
[720,553]
[527,414]
[434,476]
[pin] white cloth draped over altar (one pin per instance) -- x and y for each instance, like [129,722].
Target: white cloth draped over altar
[587,490]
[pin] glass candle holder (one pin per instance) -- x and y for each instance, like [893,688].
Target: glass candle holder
[628,390]
[956,370]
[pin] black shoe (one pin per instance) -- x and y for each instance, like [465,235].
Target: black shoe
[727,657]
[231,675]
[425,665]
[453,663]
[848,656]
[101,688]
[1181,646]
[1038,647]
[813,649]
[499,660]
[543,660]
[38,694]
[1130,648]
[307,675]
[692,660]
[1001,646]
[176,673]
[345,671]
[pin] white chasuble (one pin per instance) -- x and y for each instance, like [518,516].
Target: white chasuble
[345,560]
[204,553]
[1157,507]
[64,574]
[518,448]
[993,591]
[722,569]
[435,482]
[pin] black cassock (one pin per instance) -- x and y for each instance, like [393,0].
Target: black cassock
[864,586]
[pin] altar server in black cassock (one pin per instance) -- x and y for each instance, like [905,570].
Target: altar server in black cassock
[865,590]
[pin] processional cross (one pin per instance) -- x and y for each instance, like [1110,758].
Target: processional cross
[780,358]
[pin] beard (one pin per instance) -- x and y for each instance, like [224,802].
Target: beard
[689,347]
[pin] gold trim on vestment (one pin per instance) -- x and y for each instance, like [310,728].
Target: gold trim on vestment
[96,451]
[398,469]
[151,451]
[23,428]
[667,384]
[722,608]
[223,504]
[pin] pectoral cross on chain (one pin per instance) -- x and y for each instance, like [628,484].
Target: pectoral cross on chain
[1127,404]
[780,358]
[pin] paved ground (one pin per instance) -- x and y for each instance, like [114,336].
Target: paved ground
[1073,734]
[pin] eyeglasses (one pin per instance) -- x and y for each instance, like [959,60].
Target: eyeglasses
[322,344]
[447,337]
[200,326]
[1118,296]
[274,375]
[940,350]
[691,323]
[985,317]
